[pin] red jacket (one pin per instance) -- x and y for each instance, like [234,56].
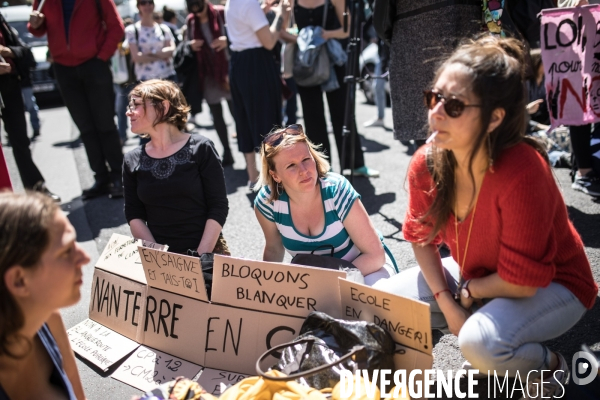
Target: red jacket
[4,176]
[87,36]
[521,228]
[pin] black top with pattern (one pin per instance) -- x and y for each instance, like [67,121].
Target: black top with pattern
[314,16]
[176,195]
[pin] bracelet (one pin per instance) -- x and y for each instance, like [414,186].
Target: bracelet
[440,292]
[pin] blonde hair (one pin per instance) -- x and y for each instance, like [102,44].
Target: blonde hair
[157,91]
[268,154]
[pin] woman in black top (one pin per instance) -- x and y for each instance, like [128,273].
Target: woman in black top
[310,13]
[174,185]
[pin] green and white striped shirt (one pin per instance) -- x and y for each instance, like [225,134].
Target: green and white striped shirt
[338,196]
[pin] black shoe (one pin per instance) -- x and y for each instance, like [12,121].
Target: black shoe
[36,133]
[41,188]
[588,184]
[227,159]
[116,189]
[97,189]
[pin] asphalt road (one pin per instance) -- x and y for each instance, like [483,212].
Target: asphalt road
[63,162]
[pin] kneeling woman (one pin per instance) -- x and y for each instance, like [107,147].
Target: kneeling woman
[41,271]
[174,185]
[302,207]
[488,192]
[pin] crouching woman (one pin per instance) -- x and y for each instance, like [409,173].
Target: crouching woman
[488,193]
[303,208]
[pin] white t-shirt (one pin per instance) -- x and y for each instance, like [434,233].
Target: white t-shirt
[151,40]
[244,18]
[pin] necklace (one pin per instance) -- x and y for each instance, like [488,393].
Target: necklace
[462,265]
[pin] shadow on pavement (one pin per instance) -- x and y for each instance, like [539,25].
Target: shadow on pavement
[105,213]
[71,144]
[372,146]
[235,178]
[372,202]
[587,226]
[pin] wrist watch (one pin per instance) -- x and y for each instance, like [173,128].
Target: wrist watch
[464,290]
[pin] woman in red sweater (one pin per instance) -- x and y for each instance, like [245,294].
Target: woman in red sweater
[518,275]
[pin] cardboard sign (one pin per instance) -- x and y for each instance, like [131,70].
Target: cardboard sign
[173,272]
[569,42]
[147,368]
[275,287]
[175,324]
[118,303]
[121,256]
[409,359]
[96,343]
[235,338]
[407,320]
[212,379]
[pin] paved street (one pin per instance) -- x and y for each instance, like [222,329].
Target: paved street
[63,162]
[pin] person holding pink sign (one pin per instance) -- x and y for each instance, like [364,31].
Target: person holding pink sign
[518,275]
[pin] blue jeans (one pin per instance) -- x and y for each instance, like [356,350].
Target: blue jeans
[31,107]
[505,334]
[379,90]
[121,96]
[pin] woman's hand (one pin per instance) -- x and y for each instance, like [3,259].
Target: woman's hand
[326,35]
[455,314]
[6,52]
[219,43]
[196,44]
[5,68]
[36,19]
[534,106]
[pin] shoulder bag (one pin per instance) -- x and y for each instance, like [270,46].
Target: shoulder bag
[317,72]
[384,14]
[324,343]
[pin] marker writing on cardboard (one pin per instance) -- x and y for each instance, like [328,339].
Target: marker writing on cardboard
[170,260]
[263,276]
[281,300]
[106,297]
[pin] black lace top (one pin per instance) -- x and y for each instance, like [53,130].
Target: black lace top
[176,195]
[314,16]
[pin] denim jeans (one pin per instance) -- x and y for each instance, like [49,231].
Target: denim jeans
[505,334]
[87,90]
[31,107]
[121,95]
[379,91]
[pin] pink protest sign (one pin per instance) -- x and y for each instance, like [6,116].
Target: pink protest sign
[571,57]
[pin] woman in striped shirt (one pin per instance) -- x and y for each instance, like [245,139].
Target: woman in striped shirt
[302,207]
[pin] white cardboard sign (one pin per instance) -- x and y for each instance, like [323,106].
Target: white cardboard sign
[147,368]
[96,343]
[211,379]
[173,272]
[275,287]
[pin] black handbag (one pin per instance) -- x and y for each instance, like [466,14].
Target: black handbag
[384,15]
[327,262]
[325,342]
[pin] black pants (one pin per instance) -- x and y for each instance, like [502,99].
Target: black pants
[220,126]
[313,109]
[581,137]
[88,94]
[15,125]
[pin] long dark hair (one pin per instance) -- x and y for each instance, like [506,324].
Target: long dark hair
[25,221]
[496,68]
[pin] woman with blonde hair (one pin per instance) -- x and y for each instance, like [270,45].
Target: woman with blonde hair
[174,184]
[41,272]
[304,208]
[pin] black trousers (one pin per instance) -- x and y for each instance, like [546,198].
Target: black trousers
[13,116]
[220,125]
[89,96]
[581,137]
[313,109]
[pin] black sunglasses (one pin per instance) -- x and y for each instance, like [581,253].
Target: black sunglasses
[453,106]
[275,138]
[145,2]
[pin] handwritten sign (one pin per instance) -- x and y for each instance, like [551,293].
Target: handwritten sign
[275,287]
[212,380]
[147,368]
[570,45]
[118,303]
[175,324]
[407,320]
[121,256]
[173,272]
[101,346]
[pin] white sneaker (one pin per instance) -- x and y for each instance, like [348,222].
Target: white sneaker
[554,385]
[373,123]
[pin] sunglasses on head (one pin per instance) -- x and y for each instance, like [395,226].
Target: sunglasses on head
[275,138]
[145,2]
[452,106]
